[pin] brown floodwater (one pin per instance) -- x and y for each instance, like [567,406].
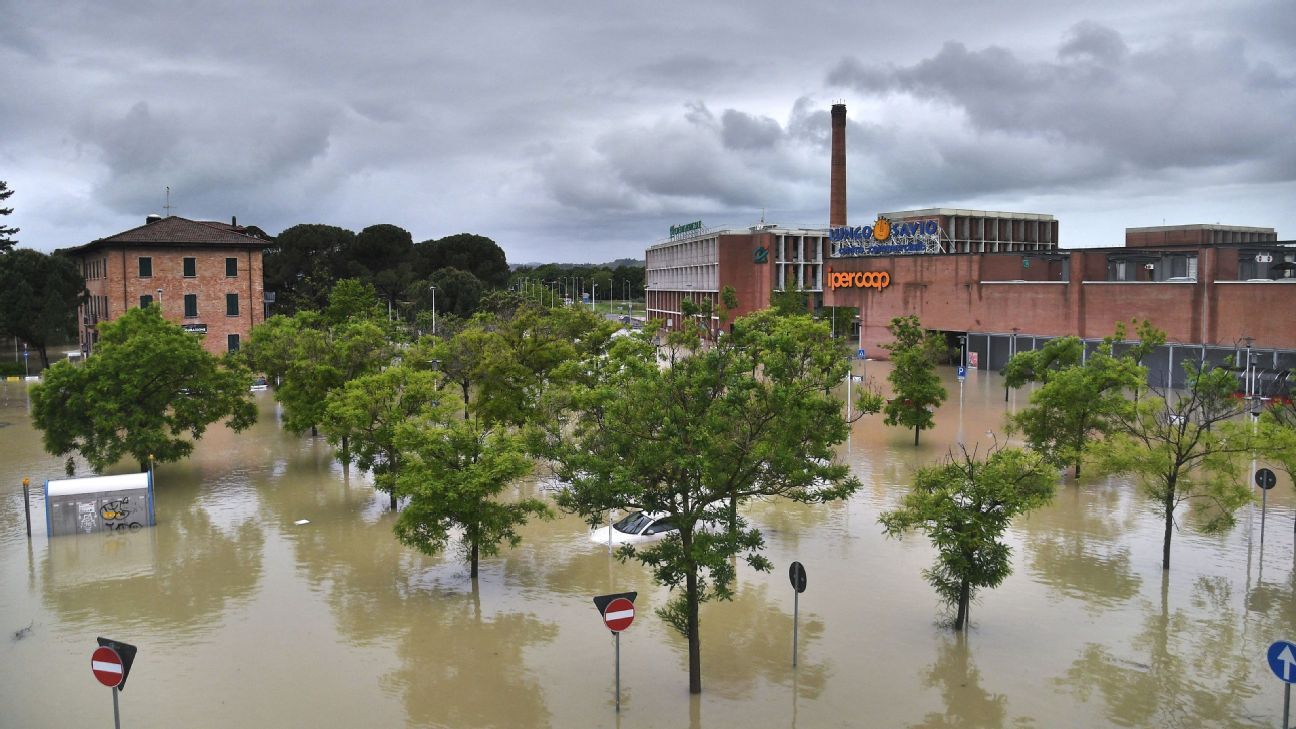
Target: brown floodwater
[244,618]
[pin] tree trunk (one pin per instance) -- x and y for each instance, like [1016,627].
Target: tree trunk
[44,355]
[964,597]
[314,430]
[733,517]
[1169,526]
[472,572]
[694,643]
[464,387]
[393,499]
[1077,465]
[346,449]
[916,431]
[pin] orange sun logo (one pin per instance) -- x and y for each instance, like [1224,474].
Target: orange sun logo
[881,229]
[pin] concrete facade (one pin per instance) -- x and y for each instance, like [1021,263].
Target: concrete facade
[207,277]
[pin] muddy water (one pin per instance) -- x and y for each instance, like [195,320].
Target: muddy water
[244,618]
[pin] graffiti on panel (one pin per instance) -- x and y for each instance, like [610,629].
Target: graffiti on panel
[115,515]
[85,517]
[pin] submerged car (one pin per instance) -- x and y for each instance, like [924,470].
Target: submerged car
[259,385]
[637,528]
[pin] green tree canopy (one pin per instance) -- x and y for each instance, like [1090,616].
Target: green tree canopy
[752,417]
[149,390]
[303,265]
[363,415]
[457,292]
[916,388]
[39,296]
[475,254]
[1183,447]
[964,506]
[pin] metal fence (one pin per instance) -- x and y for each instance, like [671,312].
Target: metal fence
[1273,368]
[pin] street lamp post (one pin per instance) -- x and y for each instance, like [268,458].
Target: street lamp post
[433,310]
[593,295]
[1012,352]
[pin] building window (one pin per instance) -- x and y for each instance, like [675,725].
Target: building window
[145,300]
[146,267]
[231,304]
[191,304]
[190,268]
[231,267]
[232,342]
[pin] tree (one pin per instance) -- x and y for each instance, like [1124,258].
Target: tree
[150,390]
[916,389]
[791,301]
[39,296]
[366,412]
[964,506]
[458,292]
[303,264]
[1277,436]
[475,254]
[1077,401]
[752,417]
[6,233]
[454,472]
[1183,448]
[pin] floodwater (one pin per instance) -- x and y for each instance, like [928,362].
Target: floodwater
[244,618]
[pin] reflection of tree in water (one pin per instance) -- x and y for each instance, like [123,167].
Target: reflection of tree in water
[460,666]
[176,578]
[1184,669]
[751,639]
[959,681]
[461,669]
[1085,558]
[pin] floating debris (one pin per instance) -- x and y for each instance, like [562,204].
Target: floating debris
[23,632]
[299,522]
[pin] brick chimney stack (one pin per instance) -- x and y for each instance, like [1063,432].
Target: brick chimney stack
[837,188]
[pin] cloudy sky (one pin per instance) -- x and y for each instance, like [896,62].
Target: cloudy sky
[580,131]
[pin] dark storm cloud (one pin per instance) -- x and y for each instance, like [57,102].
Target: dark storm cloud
[744,131]
[1175,103]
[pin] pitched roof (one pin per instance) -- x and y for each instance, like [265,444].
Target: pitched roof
[177,231]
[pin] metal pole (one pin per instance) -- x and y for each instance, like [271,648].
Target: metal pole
[27,505]
[116,716]
[618,672]
[1264,505]
[1286,705]
[796,609]
[434,311]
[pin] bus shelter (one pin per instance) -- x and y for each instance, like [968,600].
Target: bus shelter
[99,504]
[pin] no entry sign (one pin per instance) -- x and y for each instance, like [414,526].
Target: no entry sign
[619,614]
[107,666]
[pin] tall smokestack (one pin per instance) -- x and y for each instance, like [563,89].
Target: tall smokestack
[837,188]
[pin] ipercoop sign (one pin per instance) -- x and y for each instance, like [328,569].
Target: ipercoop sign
[858,279]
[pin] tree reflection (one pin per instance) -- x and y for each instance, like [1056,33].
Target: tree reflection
[959,681]
[1085,558]
[176,578]
[1183,669]
[756,643]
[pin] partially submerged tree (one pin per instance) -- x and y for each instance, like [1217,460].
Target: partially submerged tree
[364,414]
[455,473]
[1184,447]
[1077,400]
[149,390]
[964,506]
[915,386]
[752,417]
[7,240]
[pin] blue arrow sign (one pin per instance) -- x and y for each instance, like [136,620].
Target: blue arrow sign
[1282,660]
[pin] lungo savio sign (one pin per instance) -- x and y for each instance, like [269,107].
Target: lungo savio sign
[884,238]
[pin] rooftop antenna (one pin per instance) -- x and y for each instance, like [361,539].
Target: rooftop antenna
[167,207]
[762,216]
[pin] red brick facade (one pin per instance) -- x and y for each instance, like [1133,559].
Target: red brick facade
[139,266]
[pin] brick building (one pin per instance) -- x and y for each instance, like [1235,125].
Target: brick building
[998,282]
[207,277]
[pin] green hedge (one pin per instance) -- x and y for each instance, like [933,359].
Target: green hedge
[9,368]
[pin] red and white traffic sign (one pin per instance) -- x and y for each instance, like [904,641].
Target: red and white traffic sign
[619,614]
[107,666]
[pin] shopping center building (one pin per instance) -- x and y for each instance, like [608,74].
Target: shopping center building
[997,281]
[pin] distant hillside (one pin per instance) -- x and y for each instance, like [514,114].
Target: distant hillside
[627,262]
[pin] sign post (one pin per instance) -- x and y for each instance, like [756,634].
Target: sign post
[1265,479]
[797,576]
[111,663]
[27,504]
[618,613]
[1282,661]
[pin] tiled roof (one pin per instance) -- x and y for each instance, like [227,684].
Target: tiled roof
[177,231]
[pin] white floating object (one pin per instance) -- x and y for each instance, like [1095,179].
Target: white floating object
[299,522]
